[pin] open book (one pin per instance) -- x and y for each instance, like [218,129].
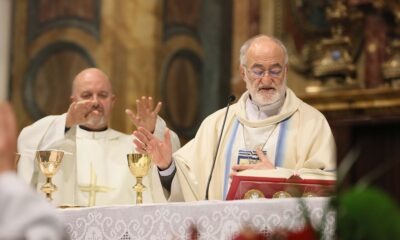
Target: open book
[303,173]
[281,182]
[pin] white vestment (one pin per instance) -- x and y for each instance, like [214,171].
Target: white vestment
[24,214]
[94,169]
[297,137]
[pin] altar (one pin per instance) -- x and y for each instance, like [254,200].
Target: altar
[212,219]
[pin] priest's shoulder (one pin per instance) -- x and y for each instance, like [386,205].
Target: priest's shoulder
[310,111]
[48,120]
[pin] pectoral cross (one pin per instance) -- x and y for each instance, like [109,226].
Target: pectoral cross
[92,188]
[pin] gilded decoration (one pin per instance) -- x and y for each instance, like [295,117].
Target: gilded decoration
[323,46]
[333,67]
[348,52]
[391,67]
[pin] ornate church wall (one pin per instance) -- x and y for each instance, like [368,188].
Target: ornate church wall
[54,40]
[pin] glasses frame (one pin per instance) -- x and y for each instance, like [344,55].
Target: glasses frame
[271,74]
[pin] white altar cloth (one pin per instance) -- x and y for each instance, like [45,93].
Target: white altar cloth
[213,219]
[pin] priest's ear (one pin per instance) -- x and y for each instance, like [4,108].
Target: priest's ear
[242,73]
[113,99]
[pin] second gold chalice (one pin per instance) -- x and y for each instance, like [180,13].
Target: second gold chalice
[49,163]
[139,165]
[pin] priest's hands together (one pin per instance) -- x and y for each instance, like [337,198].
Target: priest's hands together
[8,137]
[159,151]
[146,115]
[264,163]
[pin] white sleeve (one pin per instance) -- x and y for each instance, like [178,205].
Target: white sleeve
[25,214]
[42,134]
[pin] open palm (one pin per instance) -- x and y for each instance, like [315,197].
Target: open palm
[159,151]
[146,114]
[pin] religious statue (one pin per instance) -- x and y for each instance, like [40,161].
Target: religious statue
[334,68]
[391,67]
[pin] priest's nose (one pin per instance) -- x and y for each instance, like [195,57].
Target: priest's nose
[95,99]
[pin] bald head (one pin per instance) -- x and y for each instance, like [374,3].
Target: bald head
[88,75]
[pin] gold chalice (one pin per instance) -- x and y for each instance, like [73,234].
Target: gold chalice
[139,165]
[49,163]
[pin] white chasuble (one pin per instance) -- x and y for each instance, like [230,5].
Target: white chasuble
[94,169]
[103,176]
[244,142]
[295,137]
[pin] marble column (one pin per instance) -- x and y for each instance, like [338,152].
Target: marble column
[5,30]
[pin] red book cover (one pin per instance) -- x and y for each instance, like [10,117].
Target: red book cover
[245,187]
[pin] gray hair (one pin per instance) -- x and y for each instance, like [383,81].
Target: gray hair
[246,45]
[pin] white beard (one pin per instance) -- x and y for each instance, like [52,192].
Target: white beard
[96,121]
[263,100]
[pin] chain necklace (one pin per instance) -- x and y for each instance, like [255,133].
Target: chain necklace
[263,145]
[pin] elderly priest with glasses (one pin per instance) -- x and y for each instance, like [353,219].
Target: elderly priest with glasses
[269,125]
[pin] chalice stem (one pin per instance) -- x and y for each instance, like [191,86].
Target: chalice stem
[139,187]
[139,198]
[49,190]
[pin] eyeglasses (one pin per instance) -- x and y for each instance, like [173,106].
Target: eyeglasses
[274,72]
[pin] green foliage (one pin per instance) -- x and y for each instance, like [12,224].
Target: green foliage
[367,213]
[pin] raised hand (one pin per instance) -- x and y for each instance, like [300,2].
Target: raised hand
[264,163]
[78,112]
[146,115]
[8,137]
[159,151]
